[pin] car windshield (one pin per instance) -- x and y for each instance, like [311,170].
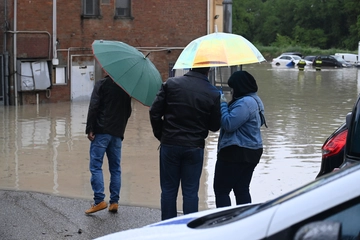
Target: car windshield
[235,214]
[340,59]
[296,57]
[354,133]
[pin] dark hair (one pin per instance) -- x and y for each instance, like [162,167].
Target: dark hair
[203,70]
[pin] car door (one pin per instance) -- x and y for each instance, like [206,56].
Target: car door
[285,59]
[346,214]
[326,61]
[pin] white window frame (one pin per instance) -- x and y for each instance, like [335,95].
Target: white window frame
[122,8]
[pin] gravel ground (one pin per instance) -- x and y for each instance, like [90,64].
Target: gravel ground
[31,215]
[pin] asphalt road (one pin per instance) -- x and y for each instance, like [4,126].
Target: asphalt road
[30,215]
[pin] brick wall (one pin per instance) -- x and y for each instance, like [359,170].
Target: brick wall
[155,23]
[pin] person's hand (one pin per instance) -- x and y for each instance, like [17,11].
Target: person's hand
[223,98]
[91,136]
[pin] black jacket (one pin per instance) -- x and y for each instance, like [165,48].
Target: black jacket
[109,109]
[185,109]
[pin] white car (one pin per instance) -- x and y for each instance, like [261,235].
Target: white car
[327,208]
[288,60]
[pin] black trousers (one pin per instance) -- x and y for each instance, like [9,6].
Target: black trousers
[233,172]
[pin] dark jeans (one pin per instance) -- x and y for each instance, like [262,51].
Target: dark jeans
[233,171]
[179,164]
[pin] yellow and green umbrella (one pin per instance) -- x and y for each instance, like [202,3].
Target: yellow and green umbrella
[129,68]
[217,50]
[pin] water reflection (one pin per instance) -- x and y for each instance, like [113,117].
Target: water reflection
[44,148]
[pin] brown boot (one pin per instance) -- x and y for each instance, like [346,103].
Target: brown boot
[94,208]
[113,207]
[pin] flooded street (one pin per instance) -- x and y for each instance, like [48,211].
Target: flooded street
[44,148]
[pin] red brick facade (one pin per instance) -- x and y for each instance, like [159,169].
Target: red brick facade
[155,25]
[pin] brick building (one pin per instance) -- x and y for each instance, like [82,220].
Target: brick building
[46,53]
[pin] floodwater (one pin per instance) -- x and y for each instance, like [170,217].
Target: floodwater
[44,148]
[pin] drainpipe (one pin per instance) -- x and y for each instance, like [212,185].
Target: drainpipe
[55,60]
[15,54]
[6,59]
[208,17]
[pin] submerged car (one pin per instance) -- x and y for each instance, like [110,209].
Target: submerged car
[331,61]
[288,60]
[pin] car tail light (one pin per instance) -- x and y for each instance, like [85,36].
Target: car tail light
[335,144]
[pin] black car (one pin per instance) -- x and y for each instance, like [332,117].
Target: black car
[331,61]
[342,147]
[332,151]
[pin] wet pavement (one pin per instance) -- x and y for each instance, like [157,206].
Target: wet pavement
[30,215]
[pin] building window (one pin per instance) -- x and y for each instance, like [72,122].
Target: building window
[91,8]
[122,8]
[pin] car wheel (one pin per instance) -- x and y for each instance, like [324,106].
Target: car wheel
[277,64]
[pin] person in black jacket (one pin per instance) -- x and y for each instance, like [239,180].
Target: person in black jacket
[109,111]
[183,112]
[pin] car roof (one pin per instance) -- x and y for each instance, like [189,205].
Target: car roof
[292,53]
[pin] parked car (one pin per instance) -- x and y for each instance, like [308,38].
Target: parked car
[326,208]
[331,61]
[349,57]
[332,151]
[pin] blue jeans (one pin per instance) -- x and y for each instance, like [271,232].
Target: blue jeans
[105,143]
[179,164]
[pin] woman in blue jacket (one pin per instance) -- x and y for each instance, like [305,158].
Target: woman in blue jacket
[240,143]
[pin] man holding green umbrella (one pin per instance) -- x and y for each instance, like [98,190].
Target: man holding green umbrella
[109,111]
